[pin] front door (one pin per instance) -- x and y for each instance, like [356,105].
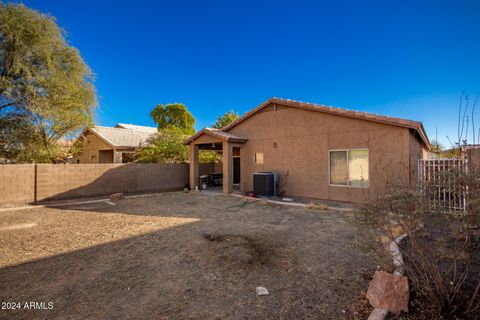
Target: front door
[236,170]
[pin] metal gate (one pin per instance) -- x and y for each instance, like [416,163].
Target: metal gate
[440,183]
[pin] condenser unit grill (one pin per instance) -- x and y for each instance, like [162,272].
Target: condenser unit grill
[264,184]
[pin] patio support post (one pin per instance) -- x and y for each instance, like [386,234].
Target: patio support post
[193,166]
[227,159]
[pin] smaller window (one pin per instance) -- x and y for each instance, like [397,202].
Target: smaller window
[258,158]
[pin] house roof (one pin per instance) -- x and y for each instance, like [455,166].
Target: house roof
[136,128]
[415,125]
[217,133]
[122,137]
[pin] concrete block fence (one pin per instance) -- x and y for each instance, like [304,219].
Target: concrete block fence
[28,183]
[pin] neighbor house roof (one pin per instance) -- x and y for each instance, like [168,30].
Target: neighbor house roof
[136,128]
[217,133]
[415,125]
[122,137]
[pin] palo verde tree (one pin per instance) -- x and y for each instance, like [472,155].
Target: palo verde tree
[46,89]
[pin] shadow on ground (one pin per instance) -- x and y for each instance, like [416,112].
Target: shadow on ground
[182,256]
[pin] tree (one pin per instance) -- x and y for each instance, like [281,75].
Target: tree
[226,119]
[207,156]
[165,147]
[17,138]
[436,146]
[173,115]
[44,83]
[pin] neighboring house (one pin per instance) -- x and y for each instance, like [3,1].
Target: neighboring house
[112,145]
[317,151]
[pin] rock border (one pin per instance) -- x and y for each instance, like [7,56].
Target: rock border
[381,314]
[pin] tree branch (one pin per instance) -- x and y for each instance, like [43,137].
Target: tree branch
[7,105]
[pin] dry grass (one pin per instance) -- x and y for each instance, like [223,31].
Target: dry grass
[181,256]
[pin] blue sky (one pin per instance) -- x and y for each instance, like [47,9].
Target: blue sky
[398,58]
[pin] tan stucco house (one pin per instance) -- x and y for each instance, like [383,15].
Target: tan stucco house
[112,144]
[317,151]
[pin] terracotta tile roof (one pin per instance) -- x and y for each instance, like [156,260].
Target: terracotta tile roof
[217,133]
[415,125]
[121,137]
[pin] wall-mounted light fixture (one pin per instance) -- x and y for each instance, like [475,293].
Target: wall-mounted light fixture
[275,145]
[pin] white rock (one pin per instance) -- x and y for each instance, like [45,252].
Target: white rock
[261,291]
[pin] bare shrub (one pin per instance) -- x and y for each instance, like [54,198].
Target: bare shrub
[442,251]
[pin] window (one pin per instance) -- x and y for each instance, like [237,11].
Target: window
[258,158]
[349,168]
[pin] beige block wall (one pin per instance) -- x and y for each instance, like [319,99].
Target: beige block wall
[17,184]
[303,139]
[205,168]
[64,181]
[157,177]
[77,180]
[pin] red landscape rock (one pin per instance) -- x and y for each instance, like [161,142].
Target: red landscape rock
[389,292]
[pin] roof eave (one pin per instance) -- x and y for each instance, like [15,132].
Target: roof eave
[418,126]
[235,140]
[214,135]
[104,139]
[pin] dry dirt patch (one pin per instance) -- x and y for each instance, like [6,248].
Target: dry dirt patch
[181,256]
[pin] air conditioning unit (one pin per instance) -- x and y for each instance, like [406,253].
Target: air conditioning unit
[265,184]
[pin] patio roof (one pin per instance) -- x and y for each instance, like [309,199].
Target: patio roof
[217,133]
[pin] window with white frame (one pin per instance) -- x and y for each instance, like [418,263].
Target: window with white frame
[349,168]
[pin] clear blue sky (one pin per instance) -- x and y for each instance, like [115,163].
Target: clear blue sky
[397,58]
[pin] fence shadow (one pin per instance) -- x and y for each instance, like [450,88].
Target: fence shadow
[57,182]
[179,271]
[30,183]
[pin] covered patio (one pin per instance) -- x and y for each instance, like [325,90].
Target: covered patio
[227,144]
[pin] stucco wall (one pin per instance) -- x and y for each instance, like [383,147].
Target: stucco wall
[303,139]
[417,152]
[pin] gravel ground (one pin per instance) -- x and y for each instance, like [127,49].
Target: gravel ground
[180,256]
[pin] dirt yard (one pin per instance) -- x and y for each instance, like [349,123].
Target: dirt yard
[180,256]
